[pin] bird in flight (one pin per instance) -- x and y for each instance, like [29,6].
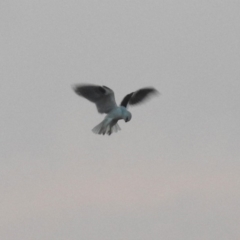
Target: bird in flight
[105,102]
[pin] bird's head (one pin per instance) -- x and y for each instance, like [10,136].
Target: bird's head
[127,116]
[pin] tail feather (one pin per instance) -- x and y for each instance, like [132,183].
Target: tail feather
[106,127]
[116,128]
[99,128]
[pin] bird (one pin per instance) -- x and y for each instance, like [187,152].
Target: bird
[104,99]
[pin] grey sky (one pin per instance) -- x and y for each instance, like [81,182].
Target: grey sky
[172,172]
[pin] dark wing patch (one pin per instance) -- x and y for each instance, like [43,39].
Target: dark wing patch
[138,96]
[107,87]
[126,100]
[141,95]
[102,96]
[102,90]
[91,92]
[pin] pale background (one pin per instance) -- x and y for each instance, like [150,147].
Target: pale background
[172,173]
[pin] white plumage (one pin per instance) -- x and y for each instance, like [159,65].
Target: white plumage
[105,102]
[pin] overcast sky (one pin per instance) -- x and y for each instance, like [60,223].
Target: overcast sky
[172,172]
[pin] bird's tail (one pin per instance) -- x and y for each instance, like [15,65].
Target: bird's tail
[106,127]
[115,128]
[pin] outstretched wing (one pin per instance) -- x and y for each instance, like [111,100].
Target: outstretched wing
[138,96]
[102,96]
